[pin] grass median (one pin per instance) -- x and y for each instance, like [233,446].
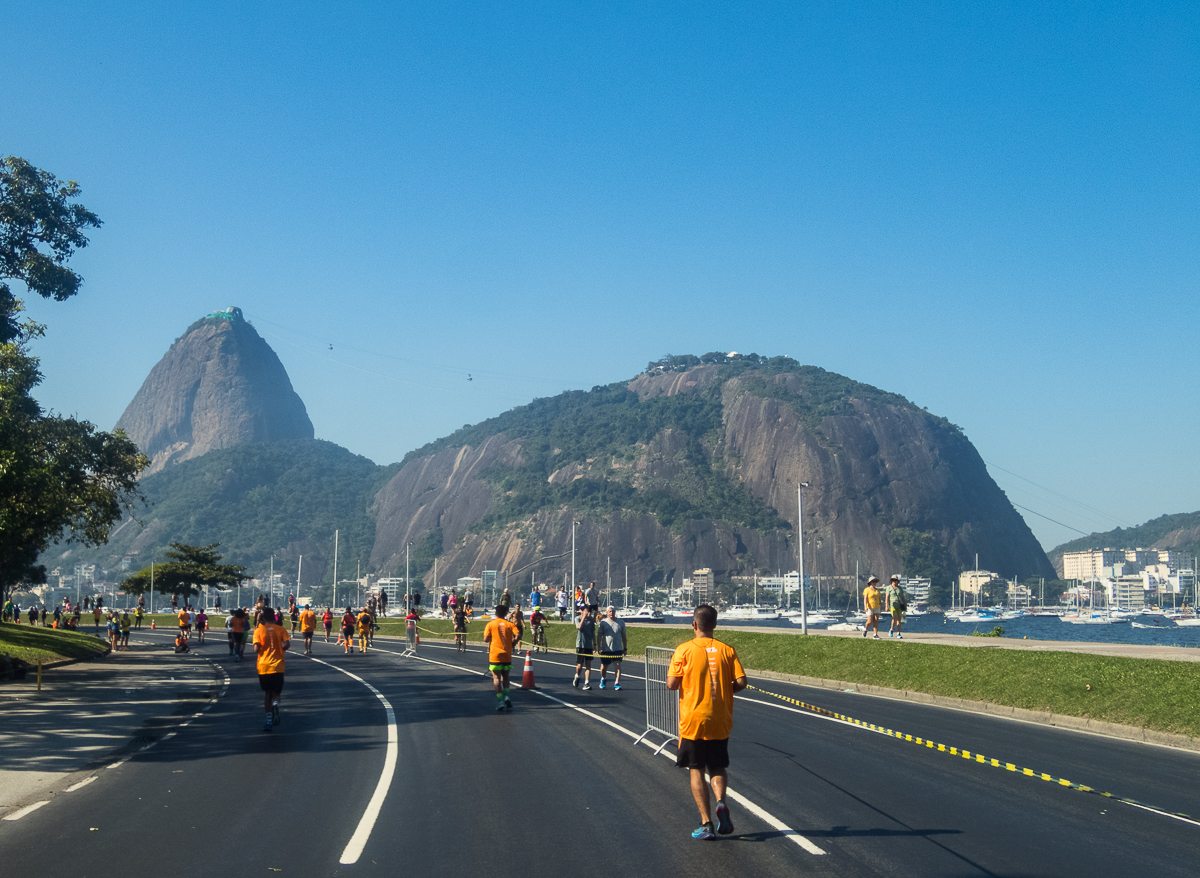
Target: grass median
[1147,693]
[31,645]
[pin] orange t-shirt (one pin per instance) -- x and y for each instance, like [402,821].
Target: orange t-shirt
[308,621]
[270,640]
[500,634]
[183,618]
[238,625]
[707,668]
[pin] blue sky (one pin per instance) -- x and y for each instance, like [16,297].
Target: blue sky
[991,209]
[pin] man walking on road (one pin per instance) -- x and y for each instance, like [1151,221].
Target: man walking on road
[561,602]
[585,646]
[872,604]
[612,646]
[897,600]
[271,641]
[499,636]
[707,674]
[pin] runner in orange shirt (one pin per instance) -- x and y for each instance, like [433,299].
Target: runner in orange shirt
[499,635]
[271,641]
[237,633]
[185,622]
[706,673]
[308,626]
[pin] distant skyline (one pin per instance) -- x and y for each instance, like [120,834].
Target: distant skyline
[990,210]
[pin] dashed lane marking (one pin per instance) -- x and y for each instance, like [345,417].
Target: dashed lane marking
[28,809]
[978,758]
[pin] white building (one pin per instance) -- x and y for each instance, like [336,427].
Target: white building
[973,581]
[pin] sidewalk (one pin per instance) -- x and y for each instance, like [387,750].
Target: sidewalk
[1125,650]
[88,712]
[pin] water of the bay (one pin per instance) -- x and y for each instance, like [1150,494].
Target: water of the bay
[1031,627]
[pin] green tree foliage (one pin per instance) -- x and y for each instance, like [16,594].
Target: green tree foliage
[59,478]
[923,555]
[189,571]
[40,228]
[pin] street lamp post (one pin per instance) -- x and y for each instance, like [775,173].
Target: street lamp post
[407,588]
[800,542]
[574,607]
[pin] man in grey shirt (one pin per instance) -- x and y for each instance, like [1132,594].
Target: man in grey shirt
[612,646]
[591,598]
[585,646]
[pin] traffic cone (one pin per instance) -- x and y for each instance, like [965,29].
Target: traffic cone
[527,677]
[151,624]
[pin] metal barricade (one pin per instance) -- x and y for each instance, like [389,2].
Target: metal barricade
[410,637]
[662,704]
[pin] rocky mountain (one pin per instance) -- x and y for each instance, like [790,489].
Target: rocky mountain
[695,464]
[218,386]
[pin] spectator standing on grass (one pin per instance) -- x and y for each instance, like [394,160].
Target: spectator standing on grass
[33,616]
[612,646]
[897,601]
[585,646]
[138,615]
[872,604]
[535,599]
[707,674]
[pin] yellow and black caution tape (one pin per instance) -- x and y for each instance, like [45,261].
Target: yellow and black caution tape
[975,757]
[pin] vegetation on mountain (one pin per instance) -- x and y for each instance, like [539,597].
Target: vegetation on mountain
[60,478]
[923,555]
[189,570]
[598,428]
[1182,529]
[256,500]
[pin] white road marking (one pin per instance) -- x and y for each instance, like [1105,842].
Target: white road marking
[750,806]
[118,764]
[28,809]
[83,783]
[358,841]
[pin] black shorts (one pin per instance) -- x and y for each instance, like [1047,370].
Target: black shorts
[703,754]
[607,658]
[328,626]
[594,608]
[271,682]
[238,636]
[584,655]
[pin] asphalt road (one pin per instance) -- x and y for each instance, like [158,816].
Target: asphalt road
[549,789]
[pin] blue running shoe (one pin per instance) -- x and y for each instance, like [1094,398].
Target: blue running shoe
[601,682]
[724,821]
[703,832]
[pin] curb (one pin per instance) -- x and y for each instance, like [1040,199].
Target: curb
[1021,714]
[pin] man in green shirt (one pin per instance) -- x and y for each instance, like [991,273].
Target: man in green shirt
[897,601]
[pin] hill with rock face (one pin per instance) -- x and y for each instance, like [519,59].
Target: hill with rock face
[218,386]
[697,466]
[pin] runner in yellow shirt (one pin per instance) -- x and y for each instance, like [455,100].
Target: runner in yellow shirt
[707,674]
[308,626]
[271,641]
[364,629]
[499,636]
